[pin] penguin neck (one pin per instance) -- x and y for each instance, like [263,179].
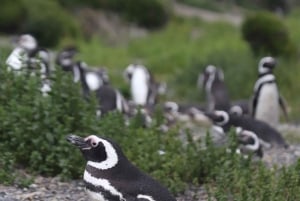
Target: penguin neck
[264,74]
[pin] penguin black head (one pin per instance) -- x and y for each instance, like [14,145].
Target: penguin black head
[266,65]
[99,152]
[249,142]
[218,117]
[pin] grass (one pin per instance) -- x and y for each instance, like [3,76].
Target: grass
[176,54]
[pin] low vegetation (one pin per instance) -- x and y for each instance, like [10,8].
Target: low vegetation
[33,128]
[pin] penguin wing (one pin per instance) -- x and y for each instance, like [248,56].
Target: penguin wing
[283,106]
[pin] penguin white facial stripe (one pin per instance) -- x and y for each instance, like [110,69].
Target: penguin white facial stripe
[147,197]
[266,78]
[224,115]
[104,183]
[255,146]
[112,157]
[76,74]
[95,196]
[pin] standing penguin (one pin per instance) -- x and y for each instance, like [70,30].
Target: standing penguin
[144,90]
[212,81]
[109,175]
[91,81]
[266,98]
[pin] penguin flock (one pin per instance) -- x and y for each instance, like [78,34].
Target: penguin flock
[109,175]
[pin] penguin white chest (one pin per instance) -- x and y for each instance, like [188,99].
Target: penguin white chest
[267,104]
[16,59]
[139,87]
[93,81]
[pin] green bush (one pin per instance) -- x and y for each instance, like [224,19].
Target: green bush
[267,34]
[148,13]
[48,22]
[33,130]
[11,15]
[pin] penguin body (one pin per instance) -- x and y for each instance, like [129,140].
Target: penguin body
[109,98]
[110,176]
[217,96]
[264,131]
[143,88]
[267,99]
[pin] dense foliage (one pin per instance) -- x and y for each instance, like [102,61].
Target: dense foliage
[267,34]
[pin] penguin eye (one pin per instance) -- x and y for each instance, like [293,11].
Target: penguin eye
[94,144]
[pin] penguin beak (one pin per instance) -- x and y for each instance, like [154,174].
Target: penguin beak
[78,141]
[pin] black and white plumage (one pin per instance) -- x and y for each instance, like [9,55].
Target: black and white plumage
[65,58]
[240,107]
[143,88]
[265,132]
[267,99]
[110,176]
[249,143]
[28,58]
[212,81]
[97,81]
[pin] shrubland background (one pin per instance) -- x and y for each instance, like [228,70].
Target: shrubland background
[175,49]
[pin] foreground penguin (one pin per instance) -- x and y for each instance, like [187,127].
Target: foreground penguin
[266,98]
[109,175]
[212,81]
[263,131]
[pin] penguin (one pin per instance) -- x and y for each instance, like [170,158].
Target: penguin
[109,98]
[18,58]
[28,58]
[144,90]
[249,143]
[240,107]
[65,58]
[217,95]
[266,133]
[109,175]
[267,99]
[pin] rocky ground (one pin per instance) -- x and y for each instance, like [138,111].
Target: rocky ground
[52,189]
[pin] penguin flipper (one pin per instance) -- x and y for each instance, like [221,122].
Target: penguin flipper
[283,106]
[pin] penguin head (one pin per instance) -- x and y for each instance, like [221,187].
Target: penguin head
[66,56]
[99,152]
[266,65]
[129,72]
[170,107]
[211,72]
[249,141]
[27,42]
[218,117]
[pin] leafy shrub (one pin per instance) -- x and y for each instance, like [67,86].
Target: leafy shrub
[47,21]
[11,15]
[267,34]
[34,128]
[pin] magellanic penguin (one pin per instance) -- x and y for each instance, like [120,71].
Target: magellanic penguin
[143,88]
[28,58]
[65,58]
[212,81]
[266,98]
[109,98]
[110,176]
[249,143]
[264,132]
[18,58]
[240,107]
